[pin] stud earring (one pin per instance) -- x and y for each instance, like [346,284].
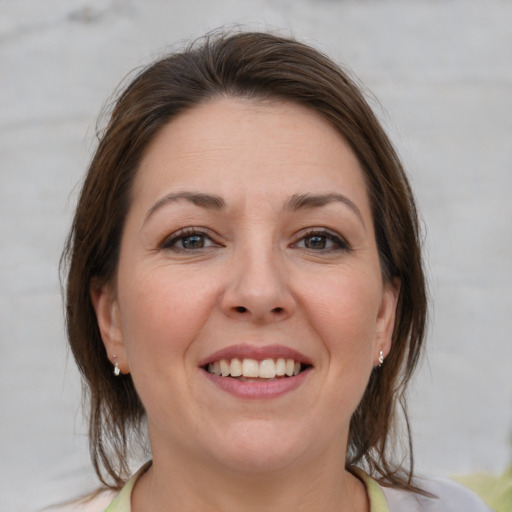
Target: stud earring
[117,371]
[381,358]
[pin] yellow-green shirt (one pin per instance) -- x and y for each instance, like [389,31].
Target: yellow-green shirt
[449,497]
[496,491]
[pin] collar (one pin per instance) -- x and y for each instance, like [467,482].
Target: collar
[122,502]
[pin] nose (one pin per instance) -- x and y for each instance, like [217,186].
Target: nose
[257,289]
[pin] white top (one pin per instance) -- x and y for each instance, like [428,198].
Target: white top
[448,497]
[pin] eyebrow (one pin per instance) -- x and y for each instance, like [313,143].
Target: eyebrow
[304,201]
[208,201]
[296,202]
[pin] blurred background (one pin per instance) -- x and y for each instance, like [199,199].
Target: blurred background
[439,75]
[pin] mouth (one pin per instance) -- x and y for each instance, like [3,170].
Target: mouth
[248,369]
[257,372]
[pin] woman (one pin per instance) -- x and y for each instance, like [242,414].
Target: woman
[245,280]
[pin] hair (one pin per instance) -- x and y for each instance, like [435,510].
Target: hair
[256,66]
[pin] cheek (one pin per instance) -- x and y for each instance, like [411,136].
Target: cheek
[345,307]
[342,310]
[161,315]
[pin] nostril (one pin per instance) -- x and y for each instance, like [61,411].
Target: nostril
[243,309]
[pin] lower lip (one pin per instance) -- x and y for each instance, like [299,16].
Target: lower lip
[258,389]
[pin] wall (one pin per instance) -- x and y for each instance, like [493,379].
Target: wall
[442,75]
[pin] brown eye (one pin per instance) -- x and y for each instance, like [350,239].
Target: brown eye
[322,241]
[191,242]
[315,242]
[188,240]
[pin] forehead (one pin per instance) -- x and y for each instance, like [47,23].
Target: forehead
[234,146]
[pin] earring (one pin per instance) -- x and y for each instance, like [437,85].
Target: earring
[381,358]
[117,371]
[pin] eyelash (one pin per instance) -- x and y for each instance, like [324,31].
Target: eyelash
[171,242]
[339,244]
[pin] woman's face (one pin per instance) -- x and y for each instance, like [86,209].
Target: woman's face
[248,251]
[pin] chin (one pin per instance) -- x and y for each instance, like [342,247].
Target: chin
[261,447]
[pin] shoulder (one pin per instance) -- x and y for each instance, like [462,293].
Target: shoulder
[104,499]
[447,496]
[96,502]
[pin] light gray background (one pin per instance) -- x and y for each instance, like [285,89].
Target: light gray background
[442,71]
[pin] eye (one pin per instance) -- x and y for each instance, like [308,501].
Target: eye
[189,239]
[321,240]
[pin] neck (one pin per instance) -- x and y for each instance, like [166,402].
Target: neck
[315,486]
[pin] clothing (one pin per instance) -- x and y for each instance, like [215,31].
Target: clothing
[451,497]
[496,491]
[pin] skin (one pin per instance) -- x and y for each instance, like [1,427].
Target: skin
[306,278]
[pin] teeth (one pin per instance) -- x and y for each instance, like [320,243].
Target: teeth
[250,368]
[280,367]
[236,368]
[266,369]
[224,368]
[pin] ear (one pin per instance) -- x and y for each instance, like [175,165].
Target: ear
[386,319]
[106,306]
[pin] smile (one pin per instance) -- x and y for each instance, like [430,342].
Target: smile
[257,371]
[252,368]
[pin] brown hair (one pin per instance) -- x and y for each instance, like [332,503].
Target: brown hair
[249,65]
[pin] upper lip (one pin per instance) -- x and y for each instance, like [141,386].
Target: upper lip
[257,352]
